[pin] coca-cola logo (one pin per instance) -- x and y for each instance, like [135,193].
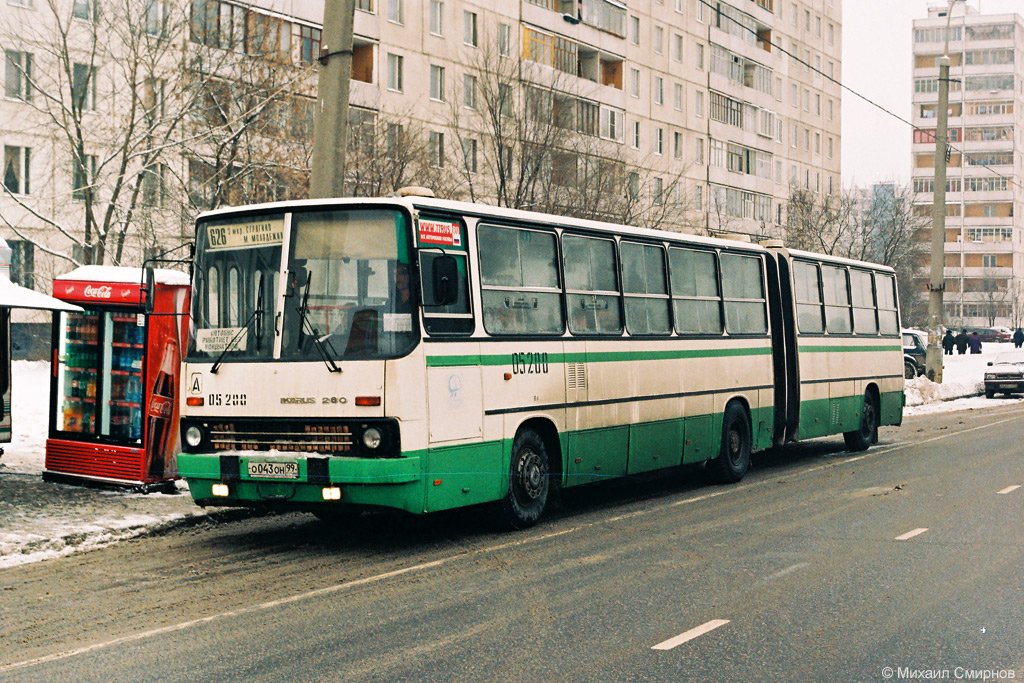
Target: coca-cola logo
[160,407]
[104,292]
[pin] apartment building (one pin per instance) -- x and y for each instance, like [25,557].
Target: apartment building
[720,106]
[984,254]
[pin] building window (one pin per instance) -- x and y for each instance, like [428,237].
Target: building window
[18,75]
[469,34]
[659,90]
[16,169]
[437,17]
[678,96]
[23,263]
[677,145]
[310,44]
[469,91]
[659,37]
[659,141]
[634,30]
[830,148]
[658,191]
[635,143]
[700,57]
[504,40]
[84,178]
[700,104]
[156,17]
[698,157]
[437,83]
[677,47]
[435,148]
[153,185]
[396,64]
[634,82]
[469,155]
[85,9]
[396,11]
[83,87]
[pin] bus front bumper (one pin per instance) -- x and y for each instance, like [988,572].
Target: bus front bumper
[302,481]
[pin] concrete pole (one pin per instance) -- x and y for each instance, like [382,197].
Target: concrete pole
[330,121]
[936,312]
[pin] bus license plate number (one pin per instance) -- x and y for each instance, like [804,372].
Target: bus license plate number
[273,470]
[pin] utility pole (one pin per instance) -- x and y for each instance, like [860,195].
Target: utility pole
[936,312]
[330,121]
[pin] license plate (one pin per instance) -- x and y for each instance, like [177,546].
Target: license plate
[273,470]
[1008,386]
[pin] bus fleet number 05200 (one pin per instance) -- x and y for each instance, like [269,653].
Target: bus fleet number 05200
[529,363]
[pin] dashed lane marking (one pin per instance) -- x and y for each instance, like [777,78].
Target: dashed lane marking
[690,635]
[911,534]
[1009,489]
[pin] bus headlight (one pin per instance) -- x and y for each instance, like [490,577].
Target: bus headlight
[193,436]
[372,438]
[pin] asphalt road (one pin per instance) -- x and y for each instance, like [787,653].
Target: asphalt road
[819,566]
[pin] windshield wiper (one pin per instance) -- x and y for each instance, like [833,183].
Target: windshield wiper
[234,340]
[304,324]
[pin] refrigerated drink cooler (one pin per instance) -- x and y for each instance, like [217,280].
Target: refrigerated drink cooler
[114,378]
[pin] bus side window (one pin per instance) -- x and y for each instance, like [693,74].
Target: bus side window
[864,321]
[696,300]
[743,293]
[591,285]
[519,281]
[808,297]
[646,292]
[837,299]
[213,297]
[885,288]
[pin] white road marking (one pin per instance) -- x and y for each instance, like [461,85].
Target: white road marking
[790,570]
[690,635]
[911,534]
[1009,489]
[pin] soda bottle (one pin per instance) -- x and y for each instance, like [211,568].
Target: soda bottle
[161,412]
[135,430]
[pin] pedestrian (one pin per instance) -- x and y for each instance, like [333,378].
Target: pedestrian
[961,342]
[948,342]
[974,342]
[1018,338]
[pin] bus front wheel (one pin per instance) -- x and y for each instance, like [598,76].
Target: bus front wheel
[529,482]
[861,439]
[734,459]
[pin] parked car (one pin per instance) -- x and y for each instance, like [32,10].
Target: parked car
[915,344]
[1005,374]
[1004,334]
[987,334]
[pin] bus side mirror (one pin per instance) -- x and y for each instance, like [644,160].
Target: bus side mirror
[446,280]
[149,289]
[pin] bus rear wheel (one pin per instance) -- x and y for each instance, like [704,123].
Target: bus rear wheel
[734,459]
[861,439]
[529,482]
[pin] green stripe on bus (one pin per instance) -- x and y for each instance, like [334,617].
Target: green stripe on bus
[847,349]
[597,357]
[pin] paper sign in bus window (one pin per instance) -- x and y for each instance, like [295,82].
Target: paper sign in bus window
[217,339]
[440,232]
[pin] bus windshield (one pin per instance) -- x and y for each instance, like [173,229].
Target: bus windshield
[234,304]
[347,294]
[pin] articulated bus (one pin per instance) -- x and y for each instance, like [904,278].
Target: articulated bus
[422,354]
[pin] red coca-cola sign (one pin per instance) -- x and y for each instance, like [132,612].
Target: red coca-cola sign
[113,293]
[161,406]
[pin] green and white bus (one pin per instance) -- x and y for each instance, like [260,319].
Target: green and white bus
[422,354]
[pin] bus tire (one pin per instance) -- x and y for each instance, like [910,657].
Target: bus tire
[733,461]
[861,439]
[529,482]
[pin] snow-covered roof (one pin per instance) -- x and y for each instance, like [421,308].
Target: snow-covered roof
[123,274]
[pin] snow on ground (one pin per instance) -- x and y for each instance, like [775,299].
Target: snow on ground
[39,520]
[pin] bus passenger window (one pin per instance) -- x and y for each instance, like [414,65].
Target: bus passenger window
[591,286]
[519,281]
[837,300]
[697,304]
[864,321]
[743,292]
[808,297]
[643,281]
[888,320]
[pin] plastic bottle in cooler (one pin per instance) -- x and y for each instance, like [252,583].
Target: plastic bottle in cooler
[134,392]
[135,432]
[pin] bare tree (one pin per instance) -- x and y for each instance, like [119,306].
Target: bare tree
[524,139]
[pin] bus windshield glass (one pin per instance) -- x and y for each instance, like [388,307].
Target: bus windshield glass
[234,304]
[347,294]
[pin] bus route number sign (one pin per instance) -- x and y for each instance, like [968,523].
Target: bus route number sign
[529,363]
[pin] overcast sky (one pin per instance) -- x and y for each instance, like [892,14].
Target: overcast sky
[877,44]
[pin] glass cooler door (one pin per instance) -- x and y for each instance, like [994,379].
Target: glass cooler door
[78,373]
[123,397]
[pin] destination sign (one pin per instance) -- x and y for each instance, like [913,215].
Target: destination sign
[245,235]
